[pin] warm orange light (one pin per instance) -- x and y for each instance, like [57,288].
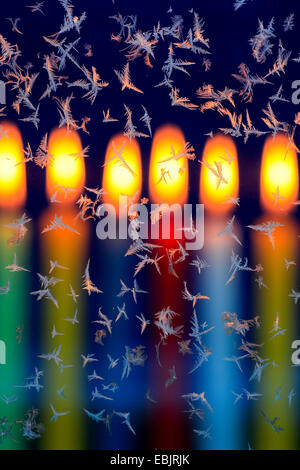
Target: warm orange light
[67,169]
[168,180]
[122,170]
[279,180]
[215,193]
[12,175]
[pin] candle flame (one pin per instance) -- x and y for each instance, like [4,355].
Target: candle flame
[66,173]
[219,183]
[122,174]
[12,173]
[279,181]
[168,178]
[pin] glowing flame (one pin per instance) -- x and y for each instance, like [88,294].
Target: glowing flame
[222,150]
[67,169]
[12,175]
[168,180]
[279,175]
[122,170]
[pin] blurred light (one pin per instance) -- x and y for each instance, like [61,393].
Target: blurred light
[12,175]
[168,181]
[216,150]
[279,175]
[66,170]
[122,176]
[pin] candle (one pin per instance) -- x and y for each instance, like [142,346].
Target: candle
[66,248]
[168,184]
[15,330]
[219,185]
[122,183]
[122,171]
[278,192]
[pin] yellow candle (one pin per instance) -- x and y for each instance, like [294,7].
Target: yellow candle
[278,192]
[65,177]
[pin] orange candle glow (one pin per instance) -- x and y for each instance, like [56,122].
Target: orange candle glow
[219,179]
[279,183]
[122,174]
[168,177]
[12,172]
[67,169]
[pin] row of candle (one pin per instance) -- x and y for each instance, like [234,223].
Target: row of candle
[279,170]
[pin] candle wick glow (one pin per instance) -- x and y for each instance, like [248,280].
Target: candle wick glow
[279,180]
